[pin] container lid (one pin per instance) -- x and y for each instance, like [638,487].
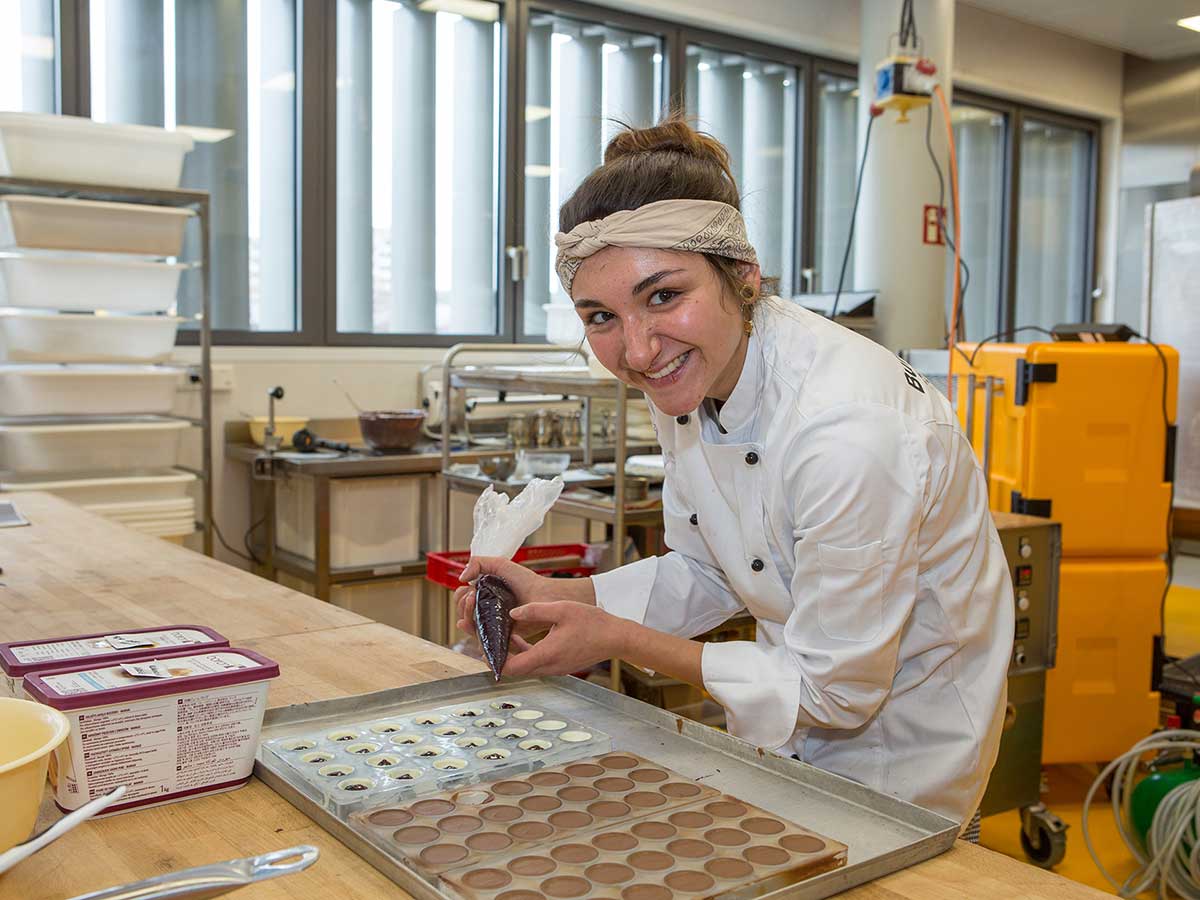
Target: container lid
[18,658]
[81,687]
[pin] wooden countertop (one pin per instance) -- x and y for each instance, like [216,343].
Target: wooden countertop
[72,572]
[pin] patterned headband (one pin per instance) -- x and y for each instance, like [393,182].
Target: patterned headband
[697,226]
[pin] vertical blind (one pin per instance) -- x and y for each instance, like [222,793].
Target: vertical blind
[27,56]
[836,164]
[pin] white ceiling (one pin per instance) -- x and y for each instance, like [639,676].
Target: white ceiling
[1142,27]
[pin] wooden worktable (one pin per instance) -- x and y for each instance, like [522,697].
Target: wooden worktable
[72,572]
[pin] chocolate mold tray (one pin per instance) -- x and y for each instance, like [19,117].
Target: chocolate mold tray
[468,826]
[345,766]
[714,848]
[884,834]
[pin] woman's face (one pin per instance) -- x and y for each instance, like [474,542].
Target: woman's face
[657,320]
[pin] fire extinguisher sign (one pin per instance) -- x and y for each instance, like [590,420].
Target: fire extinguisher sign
[932,234]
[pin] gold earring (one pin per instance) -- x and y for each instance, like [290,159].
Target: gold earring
[748,292]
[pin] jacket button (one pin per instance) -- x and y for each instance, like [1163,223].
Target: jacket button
[758,565]
[695,520]
[682,420]
[751,458]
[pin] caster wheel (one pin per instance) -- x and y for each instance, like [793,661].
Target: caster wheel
[1043,836]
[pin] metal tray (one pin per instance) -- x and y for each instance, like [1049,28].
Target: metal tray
[884,834]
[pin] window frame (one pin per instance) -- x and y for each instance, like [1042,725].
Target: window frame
[1015,114]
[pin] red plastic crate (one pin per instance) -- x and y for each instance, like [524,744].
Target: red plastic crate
[445,568]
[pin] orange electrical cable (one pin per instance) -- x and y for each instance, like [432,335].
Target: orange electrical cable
[956,307]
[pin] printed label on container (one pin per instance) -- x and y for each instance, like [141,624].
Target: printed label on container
[152,669]
[90,680]
[113,643]
[161,746]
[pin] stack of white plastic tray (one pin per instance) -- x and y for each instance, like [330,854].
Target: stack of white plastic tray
[88,290]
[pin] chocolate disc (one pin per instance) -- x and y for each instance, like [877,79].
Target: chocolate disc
[615,841]
[618,762]
[690,848]
[649,776]
[584,770]
[487,879]
[386,817]
[643,892]
[459,824]
[762,825]
[539,803]
[689,882]
[532,865]
[500,813]
[574,853]
[615,785]
[416,834]
[565,886]
[690,819]
[645,799]
[654,831]
[522,895]
[802,843]
[432,807]
[548,779]
[766,856]
[728,868]
[608,809]
[530,831]
[489,842]
[650,860]
[726,809]
[511,788]
[570,818]
[609,873]
[442,854]
[578,793]
[727,837]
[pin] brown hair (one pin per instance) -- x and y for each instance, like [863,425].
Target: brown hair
[667,161]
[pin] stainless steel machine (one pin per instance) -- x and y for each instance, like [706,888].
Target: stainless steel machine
[1033,547]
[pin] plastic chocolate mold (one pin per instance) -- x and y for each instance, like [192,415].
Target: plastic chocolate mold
[616,826]
[524,814]
[411,754]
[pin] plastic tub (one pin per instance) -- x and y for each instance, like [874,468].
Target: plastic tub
[21,658]
[53,446]
[69,148]
[28,335]
[29,733]
[88,489]
[54,223]
[53,281]
[192,731]
[398,430]
[82,390]
[444,568]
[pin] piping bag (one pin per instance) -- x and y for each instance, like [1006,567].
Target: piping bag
[501,527]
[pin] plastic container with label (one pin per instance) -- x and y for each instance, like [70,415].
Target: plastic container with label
[75,149]
[56,223]
[21,658]
[181,725]
[29,335]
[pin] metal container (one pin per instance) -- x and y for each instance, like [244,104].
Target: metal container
[884,834]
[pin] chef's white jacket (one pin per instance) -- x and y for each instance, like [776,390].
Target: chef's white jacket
[835,498]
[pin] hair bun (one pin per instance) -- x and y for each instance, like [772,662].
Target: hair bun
[672,135]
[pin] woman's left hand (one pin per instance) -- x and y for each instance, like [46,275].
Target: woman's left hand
[579,636]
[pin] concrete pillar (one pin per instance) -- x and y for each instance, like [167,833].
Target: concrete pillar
[898,181]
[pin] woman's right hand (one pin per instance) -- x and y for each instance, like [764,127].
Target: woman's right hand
[527,585]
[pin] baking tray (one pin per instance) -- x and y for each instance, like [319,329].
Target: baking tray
[884,834]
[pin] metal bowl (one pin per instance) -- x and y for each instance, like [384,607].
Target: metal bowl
[388,430]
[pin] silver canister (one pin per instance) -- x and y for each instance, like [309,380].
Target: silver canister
[518,430]
[572,429]
[542,428]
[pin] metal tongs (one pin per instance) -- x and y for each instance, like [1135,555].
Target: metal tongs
[212,880]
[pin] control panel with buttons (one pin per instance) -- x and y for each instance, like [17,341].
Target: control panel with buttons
[1032,546]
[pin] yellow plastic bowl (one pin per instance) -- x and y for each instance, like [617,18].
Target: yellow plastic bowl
[285,427]
[29,733]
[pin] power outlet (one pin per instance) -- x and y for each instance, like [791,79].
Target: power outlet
[222,379]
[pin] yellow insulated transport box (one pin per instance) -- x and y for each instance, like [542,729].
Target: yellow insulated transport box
[1099,700]
[1077,435]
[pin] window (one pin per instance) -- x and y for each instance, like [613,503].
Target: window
[582,81]
[418,133]
[234,91]
[980,140]
[28,56]
[750,105]
[837,170]
[1055,223]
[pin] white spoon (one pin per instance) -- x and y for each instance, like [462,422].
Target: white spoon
[10,858]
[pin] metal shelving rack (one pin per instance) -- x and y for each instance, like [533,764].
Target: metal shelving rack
[512,381]
[198,202]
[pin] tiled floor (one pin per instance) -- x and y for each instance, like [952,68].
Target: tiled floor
[1068,785]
